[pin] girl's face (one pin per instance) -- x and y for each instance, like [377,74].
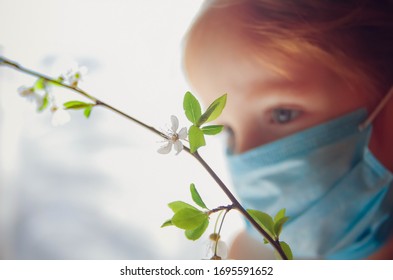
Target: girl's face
[262,105]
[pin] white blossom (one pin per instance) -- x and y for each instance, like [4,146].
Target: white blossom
[74,75]
[59,116]
[174,138]
[216,247]
[29,94]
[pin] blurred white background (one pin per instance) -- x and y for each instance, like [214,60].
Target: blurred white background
[97,188]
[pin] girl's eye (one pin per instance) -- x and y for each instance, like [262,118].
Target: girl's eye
[283,116]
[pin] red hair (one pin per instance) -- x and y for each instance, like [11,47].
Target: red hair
[351,38]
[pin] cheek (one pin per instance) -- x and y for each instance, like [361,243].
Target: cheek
[333,105]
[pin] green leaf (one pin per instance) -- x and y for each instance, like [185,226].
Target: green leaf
[45,102]
[188,218]
[287,250]
[191,107]
[196,197]
[176,206]
[213,111]
[280,214]
[194,234]
[196,138]
[212,129]
[279,224]
[39,84]
[264,220]
[167,223]
[87,111]
[59,79]
[75,105]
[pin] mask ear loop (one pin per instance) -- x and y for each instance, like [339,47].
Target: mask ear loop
[377,110]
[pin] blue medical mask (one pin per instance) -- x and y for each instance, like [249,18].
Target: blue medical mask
[337,194]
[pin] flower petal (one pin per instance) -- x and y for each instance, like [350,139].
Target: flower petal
[165,149]
[183,133]
[178,145]
[27,92]
[175,123]
[60,117]
[24,90]
[222,249]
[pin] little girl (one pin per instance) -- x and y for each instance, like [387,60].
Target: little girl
[309,116]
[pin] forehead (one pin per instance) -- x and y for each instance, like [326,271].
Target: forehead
[220,56]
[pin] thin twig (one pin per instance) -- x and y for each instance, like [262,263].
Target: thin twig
[238,206]
[220,208]
[232,198]
[7,62]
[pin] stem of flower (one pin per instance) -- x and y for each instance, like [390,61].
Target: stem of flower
[222,220]
[219,230]
[217,220]
[236,204]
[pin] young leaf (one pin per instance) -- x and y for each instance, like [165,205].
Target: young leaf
[60,79]
[39,84]
[76,105]
[87,111]
[196,197]
[279,224]
[192,108]
[194,234]
[167,223]
[196,138]
[176,206]
[280,214]
[264,220]
[45,103]
[212,129]
[213,111]
[287,250]
[188,218]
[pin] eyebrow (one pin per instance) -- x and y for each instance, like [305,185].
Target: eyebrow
[277,85]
